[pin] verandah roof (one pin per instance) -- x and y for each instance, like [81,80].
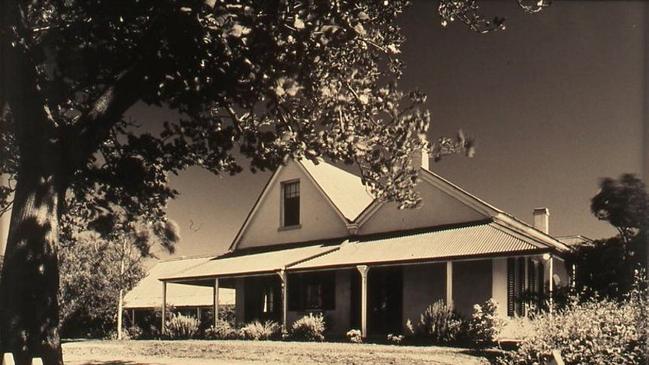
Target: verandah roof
[480,240]
[148,292]
[252,263]
[488,239]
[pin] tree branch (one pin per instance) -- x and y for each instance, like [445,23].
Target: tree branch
[94,126]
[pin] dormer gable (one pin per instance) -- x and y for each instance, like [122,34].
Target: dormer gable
[296,206]
[441,206]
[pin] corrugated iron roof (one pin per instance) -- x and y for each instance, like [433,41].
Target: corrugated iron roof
[478,240]
[574,240]
[148,292]
[252,263]
[345,189]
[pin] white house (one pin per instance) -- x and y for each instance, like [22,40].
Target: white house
[316,241]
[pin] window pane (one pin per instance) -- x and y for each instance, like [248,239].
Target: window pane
[291,204]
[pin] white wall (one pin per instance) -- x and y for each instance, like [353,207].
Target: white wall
[438,208]
[423,285]
[318,218]
[499,284]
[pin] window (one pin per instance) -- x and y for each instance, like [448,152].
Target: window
[313,298]
[312,291]
[291,204]
[519,292]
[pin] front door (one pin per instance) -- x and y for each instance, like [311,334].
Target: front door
[263,298]
[385,300]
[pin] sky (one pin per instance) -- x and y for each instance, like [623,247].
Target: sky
[555,102]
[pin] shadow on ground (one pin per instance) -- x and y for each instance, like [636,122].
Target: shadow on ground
[113,362]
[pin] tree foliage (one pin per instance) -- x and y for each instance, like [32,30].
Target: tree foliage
[607,266]
[624,203]
[91,280]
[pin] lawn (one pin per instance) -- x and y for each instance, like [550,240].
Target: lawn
[263,352]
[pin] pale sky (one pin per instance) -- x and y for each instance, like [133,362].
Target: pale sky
[555,103]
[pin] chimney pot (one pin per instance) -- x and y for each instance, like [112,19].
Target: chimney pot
[542,219]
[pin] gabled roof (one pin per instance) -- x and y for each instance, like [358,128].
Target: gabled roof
[349,197]
[482,239]
[345,189]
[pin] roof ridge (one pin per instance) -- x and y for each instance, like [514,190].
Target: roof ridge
[190,257]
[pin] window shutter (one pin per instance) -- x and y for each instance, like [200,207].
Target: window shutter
[511,296]
[541,283]
[520,285]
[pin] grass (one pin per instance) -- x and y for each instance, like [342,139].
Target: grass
[259,352]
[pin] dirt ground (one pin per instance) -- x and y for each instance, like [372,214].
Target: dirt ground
[255,353]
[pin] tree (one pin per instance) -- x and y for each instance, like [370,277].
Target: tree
[91,282]
[274,79]
[97,266]
[624,203]
[608,266]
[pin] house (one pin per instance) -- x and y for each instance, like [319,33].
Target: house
[315,241]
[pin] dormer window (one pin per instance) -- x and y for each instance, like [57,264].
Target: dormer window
[291,203]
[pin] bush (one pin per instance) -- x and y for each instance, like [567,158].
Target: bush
[309,328]
[438,323]
[182,327]
[590,332]
[260,331]
[395,339]
[133,332]
[354,336]
[485,324]
[223,330]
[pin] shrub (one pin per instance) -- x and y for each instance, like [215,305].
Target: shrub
[309,328]
[517,328]
[354,336]
[485,324]
[260,331]
[134,332]
[395,339]
[130,333]
[439,324]
[223,330]
[182,327]
[590,332]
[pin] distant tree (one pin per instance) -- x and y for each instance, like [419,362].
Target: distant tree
[97,266]
[274,79]
[608,266]
[91,281]
[624,203]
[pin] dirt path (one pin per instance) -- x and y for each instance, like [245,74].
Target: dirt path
[255,353]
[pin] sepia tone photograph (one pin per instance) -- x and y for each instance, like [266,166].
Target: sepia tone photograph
[288,182]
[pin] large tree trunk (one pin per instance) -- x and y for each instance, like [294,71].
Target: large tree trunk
[29,318]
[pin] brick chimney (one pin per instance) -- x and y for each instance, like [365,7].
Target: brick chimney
[542,219]
[421,156]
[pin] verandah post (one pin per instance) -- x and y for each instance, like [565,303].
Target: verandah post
[283,277]
[215,302]
[164,308]
[449,284]
[363,269]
